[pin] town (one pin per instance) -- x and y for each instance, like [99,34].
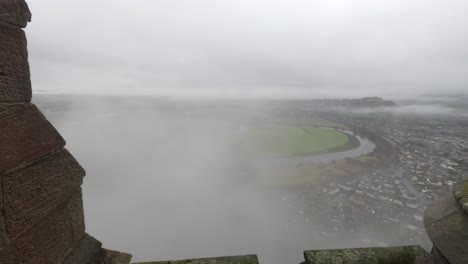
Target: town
[431,156]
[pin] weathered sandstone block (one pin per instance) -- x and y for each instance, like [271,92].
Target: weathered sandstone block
[25,135]
[47,243]
[406,254]
[15,12]
[113,257]
[15,83]
[86,252]
[248,259]
[29,194]
[446,224]
[3,235]
[75,207]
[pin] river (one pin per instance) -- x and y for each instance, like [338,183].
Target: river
[365,147]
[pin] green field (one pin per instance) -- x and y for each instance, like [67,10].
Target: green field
[307,121]
[280,140]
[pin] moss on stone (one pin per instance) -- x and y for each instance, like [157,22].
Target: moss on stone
[461,190]
[391,255]
[249,259]
[461,195]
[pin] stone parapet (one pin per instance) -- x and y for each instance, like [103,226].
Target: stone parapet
[113,257]
[446,224]
[248,259]
[406,255]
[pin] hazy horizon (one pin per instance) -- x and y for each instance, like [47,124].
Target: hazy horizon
[250,49]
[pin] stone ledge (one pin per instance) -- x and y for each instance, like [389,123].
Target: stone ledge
[447,226]
[15,12]
[86,252]
[113,257]
[437,257]
[397,255]
[248,259]
[25,136]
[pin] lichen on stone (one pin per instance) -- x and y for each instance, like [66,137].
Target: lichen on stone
[461,195]
[248,259]
[408,255]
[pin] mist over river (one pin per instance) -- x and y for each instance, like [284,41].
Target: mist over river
[163,183]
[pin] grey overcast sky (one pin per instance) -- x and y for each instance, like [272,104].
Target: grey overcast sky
[250,48]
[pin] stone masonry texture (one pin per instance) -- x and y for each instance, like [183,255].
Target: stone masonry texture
[407,255]
[446,224]
[15,12]
[25,136]
[15,83]
[86,252]
[113,257]
[75,207]
[31,193]
[49,242]
[3,235]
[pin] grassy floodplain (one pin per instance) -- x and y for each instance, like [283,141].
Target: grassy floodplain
[299,136]
[308,121]
[291,137]
[272,140]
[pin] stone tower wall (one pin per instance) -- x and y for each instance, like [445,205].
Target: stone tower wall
[41,207]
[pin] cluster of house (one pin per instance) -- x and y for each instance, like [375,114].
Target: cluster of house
[390,202]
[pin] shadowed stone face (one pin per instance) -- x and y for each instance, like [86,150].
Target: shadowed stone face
[15,12]
[446,224]
[87,251]
[25,135]
[41,206]
[113,257]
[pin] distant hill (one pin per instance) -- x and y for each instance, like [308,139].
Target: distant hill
[368,102]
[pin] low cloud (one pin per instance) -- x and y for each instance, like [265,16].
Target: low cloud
[220,48]
[162,183]
[414,109]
